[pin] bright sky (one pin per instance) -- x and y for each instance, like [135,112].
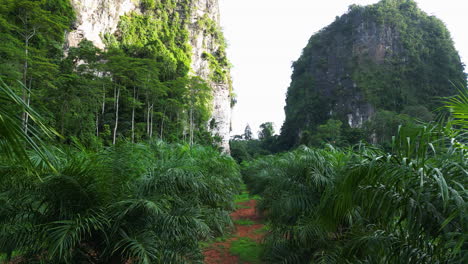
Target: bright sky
[266,36]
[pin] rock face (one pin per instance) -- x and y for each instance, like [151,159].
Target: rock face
[207,43]
[385,56]
[97,17]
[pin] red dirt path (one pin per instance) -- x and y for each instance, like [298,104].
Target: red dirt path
[218,253]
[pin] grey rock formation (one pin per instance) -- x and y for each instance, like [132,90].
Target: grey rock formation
[96,17]
[201,43]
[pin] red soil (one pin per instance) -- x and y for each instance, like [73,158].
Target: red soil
[218,253]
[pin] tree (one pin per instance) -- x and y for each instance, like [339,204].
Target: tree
[77,103]
[117,66]
[199,98]
[266,131]
[384,125]
[11,50]
[141,82]
[399,205]
[330,132]
[127,203]
[237,137]
[419,112]
[38,30]
[458,107]
[248,133]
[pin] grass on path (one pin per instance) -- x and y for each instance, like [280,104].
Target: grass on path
[241,244]
[247,249]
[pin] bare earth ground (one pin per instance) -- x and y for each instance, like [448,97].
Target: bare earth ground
[219,252]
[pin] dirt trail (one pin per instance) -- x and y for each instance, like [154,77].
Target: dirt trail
[219,252]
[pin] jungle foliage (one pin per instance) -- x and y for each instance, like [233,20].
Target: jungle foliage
[148,203]
[86,177]
[138,88]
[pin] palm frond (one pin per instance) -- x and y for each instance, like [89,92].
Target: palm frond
[14,141]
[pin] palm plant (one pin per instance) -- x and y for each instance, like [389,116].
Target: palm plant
[365,205]
[458,107]
[151,203]
[291,186]
[14,141]
[405,207]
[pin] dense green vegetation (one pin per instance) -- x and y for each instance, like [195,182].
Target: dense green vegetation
[368,203]
[139,88]
[106,155]
[152,203]
[75,185]
[244,147]
[365,205]
[147,203]
[401,200]
[389,57]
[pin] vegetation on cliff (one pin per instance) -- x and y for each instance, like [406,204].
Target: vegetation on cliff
[390,56]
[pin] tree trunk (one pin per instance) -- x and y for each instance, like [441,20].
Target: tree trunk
[27,35]
[148,118]
[162,124]
[97,122]
[26,118]
[28,103]
[116,115]
[103,109]
[25,80]
[133,114]
[151,121]
[25,66]
[103,100]
[191,127]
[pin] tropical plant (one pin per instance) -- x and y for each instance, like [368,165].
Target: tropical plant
[14,140]
[148,203]
[458,107]
[366,205]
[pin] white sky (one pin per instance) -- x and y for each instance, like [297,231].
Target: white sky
[266,36]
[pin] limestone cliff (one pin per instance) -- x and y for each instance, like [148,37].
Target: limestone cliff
[389,56]
[95,18]
[205,43]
